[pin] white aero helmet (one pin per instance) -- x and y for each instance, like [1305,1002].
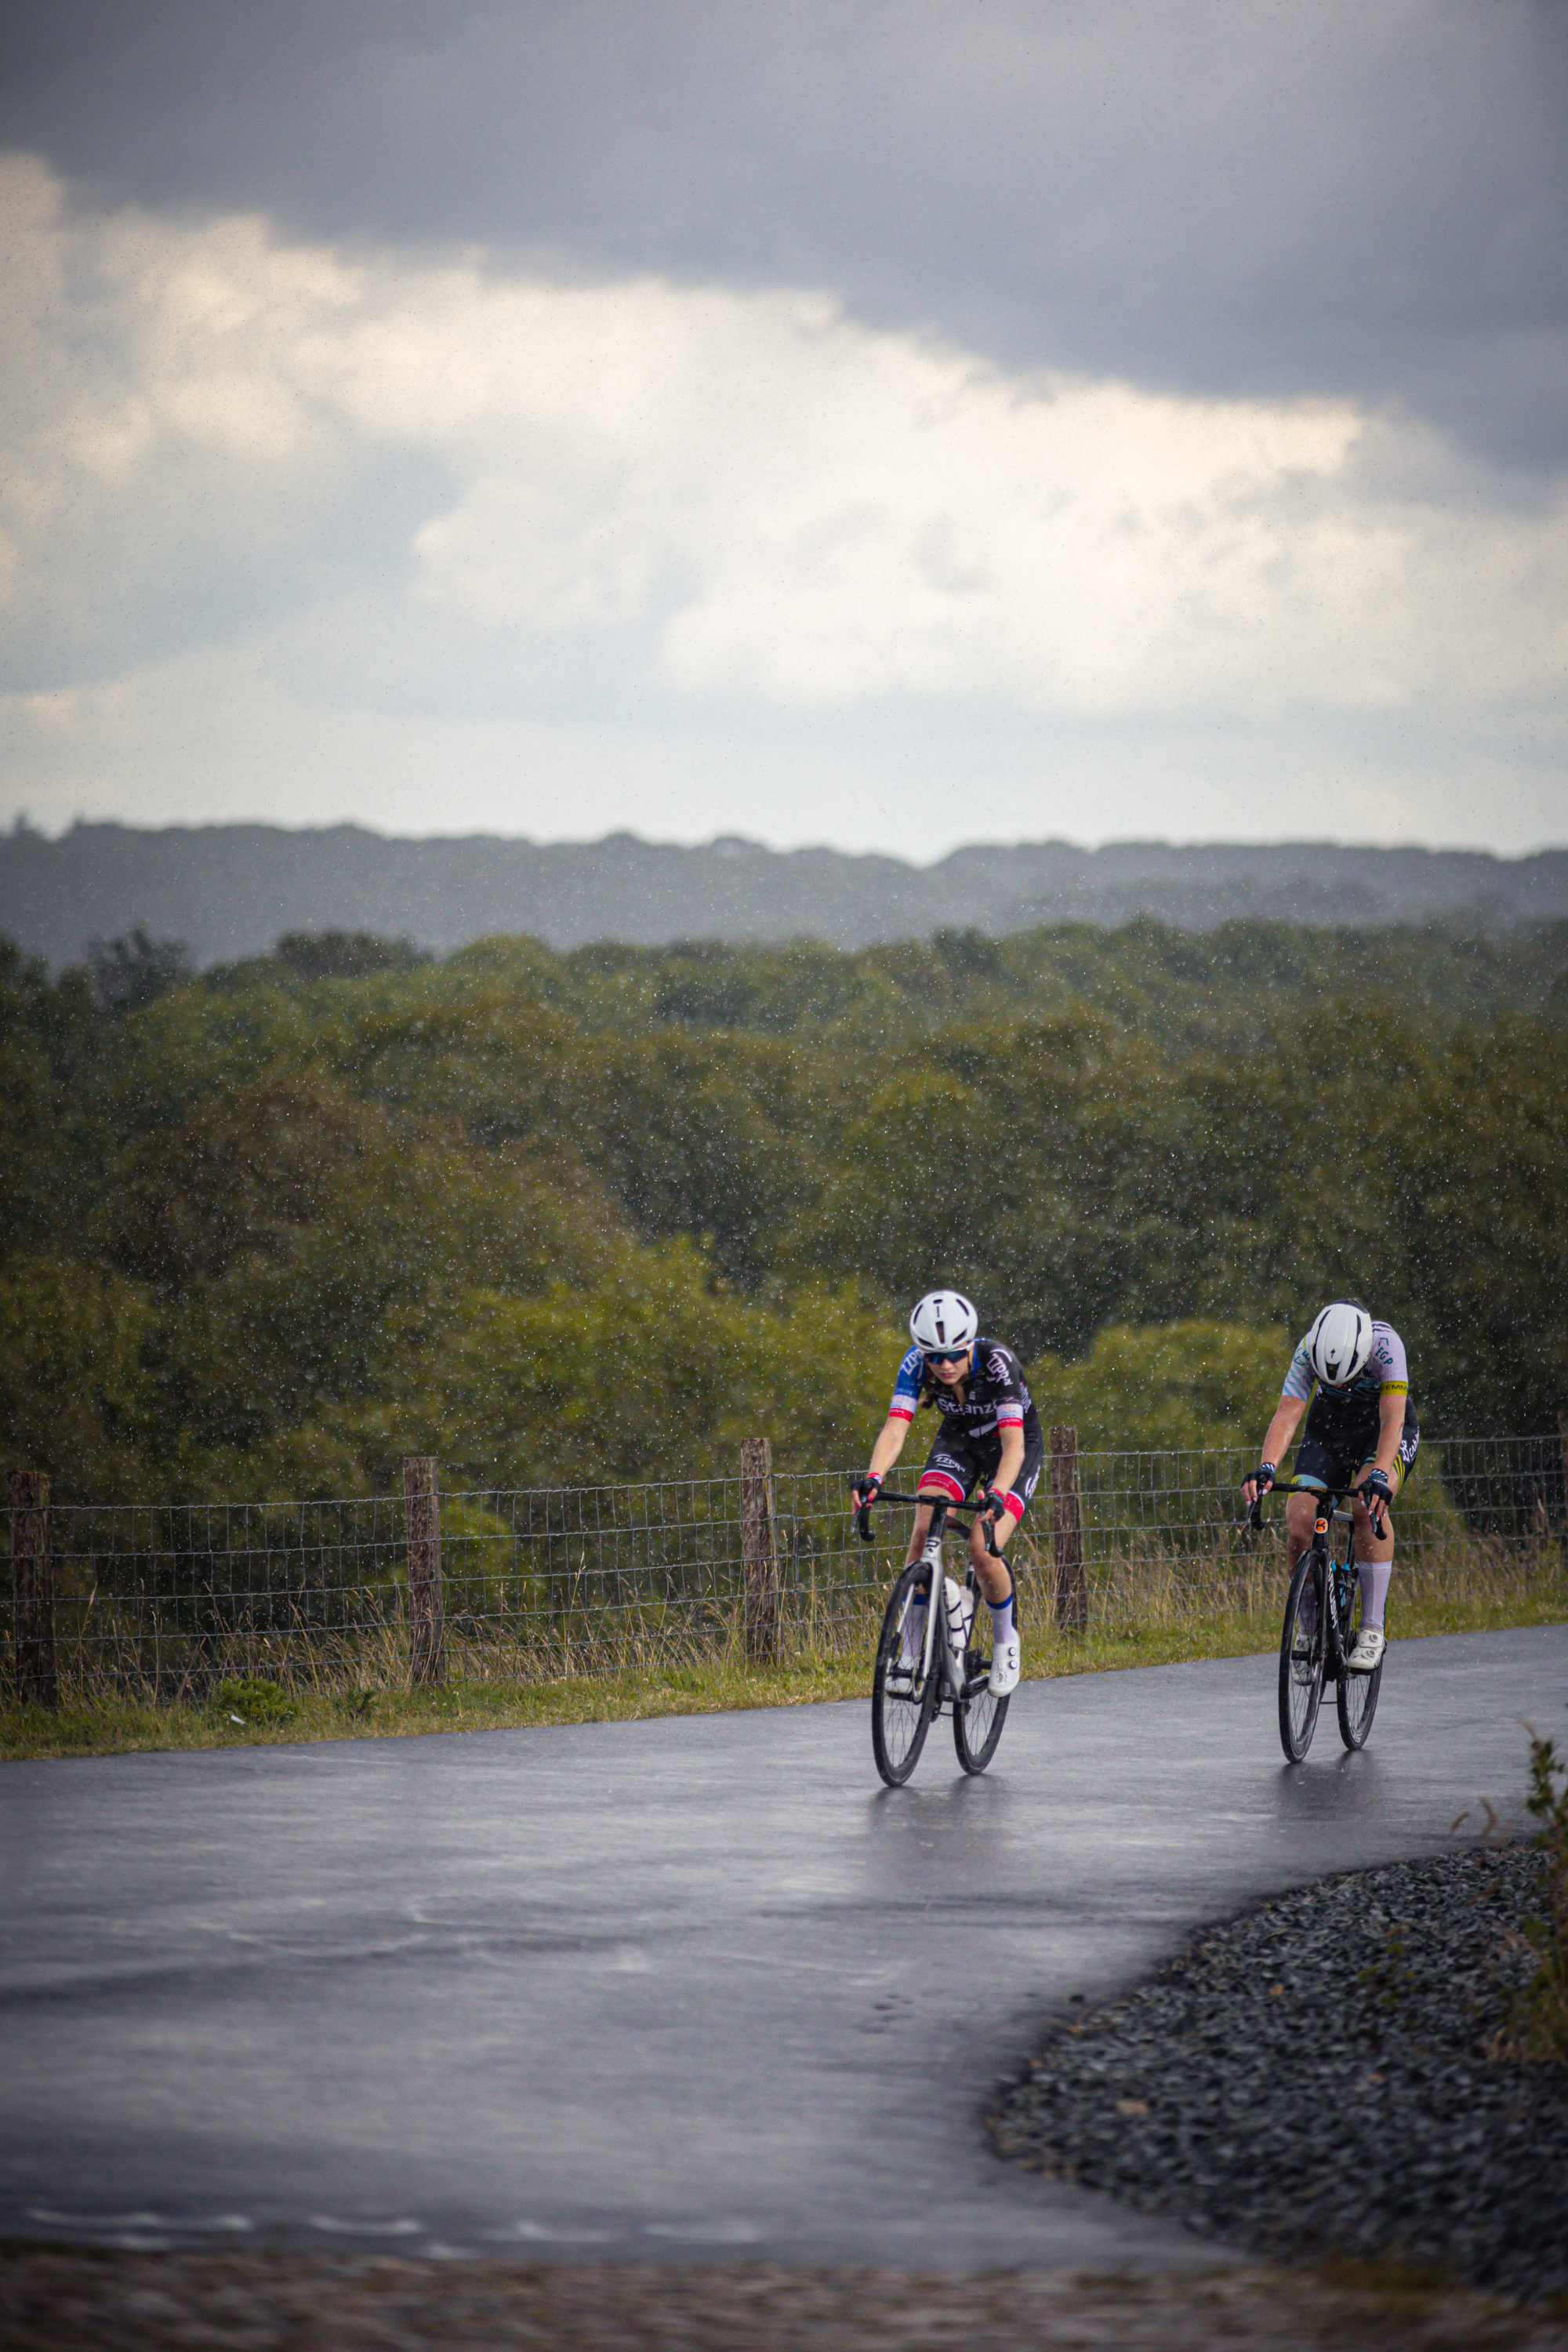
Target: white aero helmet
[1339,1343]
[943,1319]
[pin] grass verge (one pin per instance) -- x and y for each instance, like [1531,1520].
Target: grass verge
[237,1715]
[66,2300]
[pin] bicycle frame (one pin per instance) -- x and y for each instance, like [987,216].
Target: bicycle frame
[941,1509]
[936,1606]
[1332,1515]
[1330,1512]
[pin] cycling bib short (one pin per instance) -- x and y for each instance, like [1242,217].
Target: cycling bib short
[958,1465]
[1334,1446]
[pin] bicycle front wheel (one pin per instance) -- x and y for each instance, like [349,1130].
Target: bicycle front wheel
[1355,1695]
[1301,1659]
[904,1699]
[977,1721]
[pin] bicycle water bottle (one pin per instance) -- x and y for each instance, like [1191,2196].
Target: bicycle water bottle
[960,1604]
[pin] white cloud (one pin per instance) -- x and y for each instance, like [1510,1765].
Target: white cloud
[749,506]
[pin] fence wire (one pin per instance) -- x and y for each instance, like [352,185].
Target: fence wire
[174,1598]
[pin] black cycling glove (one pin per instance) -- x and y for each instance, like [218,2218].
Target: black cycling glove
[1377,1482]
[867,1487]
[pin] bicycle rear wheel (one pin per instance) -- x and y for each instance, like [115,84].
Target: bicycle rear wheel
[1355,1695]
[903,1700]
[1301,1660]
[977,1722]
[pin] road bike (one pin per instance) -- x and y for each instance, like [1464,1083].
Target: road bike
[929,1658]
[1320,1631]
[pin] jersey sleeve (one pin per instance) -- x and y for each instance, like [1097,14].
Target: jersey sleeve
[1388,1361]
[1300,1379]
[907,1387]
[1012,1396]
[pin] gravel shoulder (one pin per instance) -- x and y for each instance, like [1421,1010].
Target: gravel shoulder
[65,2300]
[1321,2075]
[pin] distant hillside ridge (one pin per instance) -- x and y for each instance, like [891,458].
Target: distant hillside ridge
[232,890]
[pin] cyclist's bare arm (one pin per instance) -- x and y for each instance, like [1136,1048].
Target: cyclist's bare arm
[1277,1444]
[1374,1526]
[1012,1460]
[890,1445]
[1390,1430]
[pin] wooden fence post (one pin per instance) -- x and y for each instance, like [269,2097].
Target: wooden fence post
[1066,1532]
[33,1589]
[422,1513]
[759,1554]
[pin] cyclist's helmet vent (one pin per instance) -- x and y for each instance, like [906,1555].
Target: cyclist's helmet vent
[1339,1343]
[944,1318]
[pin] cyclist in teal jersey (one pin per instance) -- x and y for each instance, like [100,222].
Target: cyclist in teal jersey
[1361,1435]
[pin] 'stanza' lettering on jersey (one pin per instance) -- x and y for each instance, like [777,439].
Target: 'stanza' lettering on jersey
[1384,1373]
[998,1395]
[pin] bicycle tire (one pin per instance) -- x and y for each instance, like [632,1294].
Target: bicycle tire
[1301,1664]
[1355,1695]
[900,1715]
[977,1722]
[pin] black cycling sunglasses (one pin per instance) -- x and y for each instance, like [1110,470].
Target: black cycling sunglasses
[945,1355]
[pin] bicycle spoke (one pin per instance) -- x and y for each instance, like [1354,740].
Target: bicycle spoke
[1301,1647]
[904,1699]
[1355,1695]
[977,1720]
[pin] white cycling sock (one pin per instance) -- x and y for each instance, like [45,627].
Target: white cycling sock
[1375,1576]
[1002,1619]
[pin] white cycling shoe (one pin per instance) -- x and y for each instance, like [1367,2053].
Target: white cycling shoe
[1367,1655]
[1006,1665]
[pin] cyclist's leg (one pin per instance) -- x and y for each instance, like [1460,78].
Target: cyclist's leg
[1375,1559]
[994,1579]
[1319,1463]
[951,1470]
[918,1537]
[948,1476]
[1301,1516]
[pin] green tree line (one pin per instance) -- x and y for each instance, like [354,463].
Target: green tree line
[560,1219]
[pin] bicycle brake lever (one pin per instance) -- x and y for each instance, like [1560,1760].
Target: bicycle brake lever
[863,1522]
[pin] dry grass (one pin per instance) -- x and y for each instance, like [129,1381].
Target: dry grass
[64,2300]
[1538,2028]
[1148,1611]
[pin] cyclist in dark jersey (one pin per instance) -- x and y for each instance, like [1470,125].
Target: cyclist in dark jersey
[988,1433]
[1362,1433]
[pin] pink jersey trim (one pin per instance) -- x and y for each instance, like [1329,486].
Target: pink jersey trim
[901,1413]
[943,1484]
[1013,1506]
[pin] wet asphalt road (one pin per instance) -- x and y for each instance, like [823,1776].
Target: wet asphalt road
[659,1990]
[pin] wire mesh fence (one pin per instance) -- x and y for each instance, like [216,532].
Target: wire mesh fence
[172,1599]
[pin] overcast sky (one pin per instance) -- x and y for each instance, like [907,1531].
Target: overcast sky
[890,424]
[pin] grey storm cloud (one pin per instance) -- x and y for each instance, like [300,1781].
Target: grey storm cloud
[1323,200]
